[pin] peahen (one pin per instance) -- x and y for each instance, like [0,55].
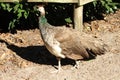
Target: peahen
[64,42]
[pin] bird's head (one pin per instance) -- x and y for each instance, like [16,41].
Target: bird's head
[41,9]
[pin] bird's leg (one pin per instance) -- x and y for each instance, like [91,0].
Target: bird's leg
[59,64]
[76,66]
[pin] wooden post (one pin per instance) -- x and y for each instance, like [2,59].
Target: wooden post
[78,14]
[78,17]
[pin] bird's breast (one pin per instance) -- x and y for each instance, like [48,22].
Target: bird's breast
[55,49]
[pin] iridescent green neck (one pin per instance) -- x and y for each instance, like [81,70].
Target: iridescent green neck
[42,20]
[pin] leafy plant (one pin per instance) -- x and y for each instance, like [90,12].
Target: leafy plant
[109,5]
[57,14]
[97,8]
[20,10]
[68,20]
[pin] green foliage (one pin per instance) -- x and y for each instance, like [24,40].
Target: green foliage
[20,10]
[59,14]
[56,13]
[68,20]
[97,8]
[109,5]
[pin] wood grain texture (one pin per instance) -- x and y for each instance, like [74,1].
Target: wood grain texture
[56,1]
[80,2]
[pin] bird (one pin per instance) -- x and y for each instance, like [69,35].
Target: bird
[63,42]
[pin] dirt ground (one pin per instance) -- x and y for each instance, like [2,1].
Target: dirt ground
[24,57]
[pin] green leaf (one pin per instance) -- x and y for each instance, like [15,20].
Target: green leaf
[3,6]
[68,20]
[21,6]
[115,7]
[8,7]
[16,7]
[94,3]
[12,24]
[26,15]
[102,2]
[19,15]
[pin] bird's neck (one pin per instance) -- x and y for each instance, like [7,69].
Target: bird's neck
[42,24]
[42,20]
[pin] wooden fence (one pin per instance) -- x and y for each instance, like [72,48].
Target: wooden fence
[78,8]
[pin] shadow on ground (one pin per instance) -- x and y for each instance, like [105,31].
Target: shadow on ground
[36,54]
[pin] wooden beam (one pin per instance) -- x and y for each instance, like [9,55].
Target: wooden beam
[80,2]
[54,1]
[9,0]
[83,2]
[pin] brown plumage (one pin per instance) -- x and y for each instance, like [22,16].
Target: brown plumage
[68,43]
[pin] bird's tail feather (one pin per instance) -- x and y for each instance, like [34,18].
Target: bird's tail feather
[94,50]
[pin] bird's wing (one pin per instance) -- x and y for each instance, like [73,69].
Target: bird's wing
[70,43]
[92,45]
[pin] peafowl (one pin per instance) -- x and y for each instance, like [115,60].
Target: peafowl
[65,42]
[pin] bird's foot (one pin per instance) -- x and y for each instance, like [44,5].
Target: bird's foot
[57,71]
[76,66]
